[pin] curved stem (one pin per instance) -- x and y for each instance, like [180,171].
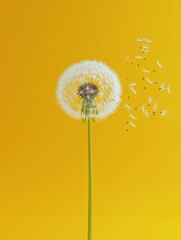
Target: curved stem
[90,198]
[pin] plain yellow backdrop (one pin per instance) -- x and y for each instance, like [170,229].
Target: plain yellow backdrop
[43,157]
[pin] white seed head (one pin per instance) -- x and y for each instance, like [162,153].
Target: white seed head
[93,72]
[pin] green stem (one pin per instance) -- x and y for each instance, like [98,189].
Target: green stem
[90,198]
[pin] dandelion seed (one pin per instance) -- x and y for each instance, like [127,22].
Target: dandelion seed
[146,70]
[133,90]
[127,106]
[148,40]
[143,40]
[146,114]
[139,39]
[159,64]
[139,57]
[133,117]
[143,108]
[132,124]
[145,48]
[168,89]
[148,80]
[150,99]
[163,113]
[161,86]
[155,107]
[126,59]
[132,84]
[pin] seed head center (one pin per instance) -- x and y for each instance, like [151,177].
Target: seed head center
[87,90]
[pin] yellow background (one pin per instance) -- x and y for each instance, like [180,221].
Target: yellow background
[43,157]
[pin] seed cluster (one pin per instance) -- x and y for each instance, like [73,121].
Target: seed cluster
[147,82]
[87,90]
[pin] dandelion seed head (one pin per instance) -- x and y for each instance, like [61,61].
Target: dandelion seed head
[86,80]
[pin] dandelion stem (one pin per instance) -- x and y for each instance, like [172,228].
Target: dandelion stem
[90,180]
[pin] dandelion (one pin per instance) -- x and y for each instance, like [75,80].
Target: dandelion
[93,84]
[89,90]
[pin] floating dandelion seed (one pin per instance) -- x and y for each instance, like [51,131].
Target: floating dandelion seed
[143,40]
[86,80]
[165,88]
[143,108]
[145,49]
[161,86]
[159,64]
[155,107]
[133,90]
[132,116]
[149,80]
[132,124]
[150,99]
[146,70]
[163,112]
[132,85]
[139,57]
[127,106]
[126,59]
